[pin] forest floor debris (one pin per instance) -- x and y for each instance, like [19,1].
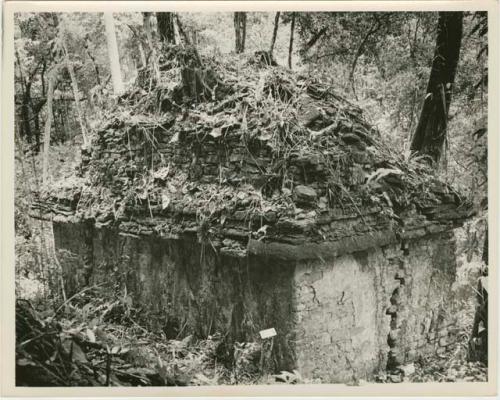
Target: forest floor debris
[94,340]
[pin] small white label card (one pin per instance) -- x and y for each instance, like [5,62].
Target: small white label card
[267,333]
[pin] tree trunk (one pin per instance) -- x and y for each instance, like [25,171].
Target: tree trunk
[36,108]
[290,48]
[275,32]
[485,247]
[182,33]
[166,28]
[146,21]
[374,28]
[143,55]
[92,58]
[430,133]
[76,94]
[114,58]
[25,117]
[26,100]
[48,123]
[237,32]
[311,42]
[36,116]
[413,49]
[240,28]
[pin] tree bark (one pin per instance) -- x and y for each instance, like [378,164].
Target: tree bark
[430,133]
[290,48]
[237,33]
[36,107]
[146,21]
[25,117]
[182,33]
[275,32]
[142,54]
[166,28]
[26,99]
[114,58]
[42,77]
[48,124]
[92,58]
[374,28]
[36,117]
[240,28]
[485,248]
[76,94]
[311,42]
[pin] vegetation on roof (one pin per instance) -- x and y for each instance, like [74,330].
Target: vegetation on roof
[212,138]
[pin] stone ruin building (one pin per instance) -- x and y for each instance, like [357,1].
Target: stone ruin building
[263,200]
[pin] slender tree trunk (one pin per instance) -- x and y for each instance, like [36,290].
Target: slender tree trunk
[92,58]
[240,22]
[237,32]
[194,38]
[177,33]
[25,117]
[485,247]
[143,55]
[314,39]
[36,108]
[18,145]
[290,48]
[166,28]
[413,48]
[42,77]
[114,58]
[48,124]
[430,134]
[374,28]
[76,94]
[275,32]
[243,32]
[26,99]
[413,43]
[182,33]
[56,135]
[36,116]
[146,21]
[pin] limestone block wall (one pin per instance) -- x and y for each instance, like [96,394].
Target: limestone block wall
[339,319]
[184,287]
[371,311]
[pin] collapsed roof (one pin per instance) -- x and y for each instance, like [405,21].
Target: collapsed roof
[253,159]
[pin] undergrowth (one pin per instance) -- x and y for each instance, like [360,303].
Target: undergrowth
[93,339]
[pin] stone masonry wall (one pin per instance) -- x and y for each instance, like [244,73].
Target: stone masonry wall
[369,312]
[339,320]
[184,287]
[422,309]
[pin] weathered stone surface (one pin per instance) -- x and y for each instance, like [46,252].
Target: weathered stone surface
[329,313]
[408,369]
[305,194]
[395,378]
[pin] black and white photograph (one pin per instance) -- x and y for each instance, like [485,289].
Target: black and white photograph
[219,198]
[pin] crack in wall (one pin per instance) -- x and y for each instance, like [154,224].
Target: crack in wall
[398,311]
